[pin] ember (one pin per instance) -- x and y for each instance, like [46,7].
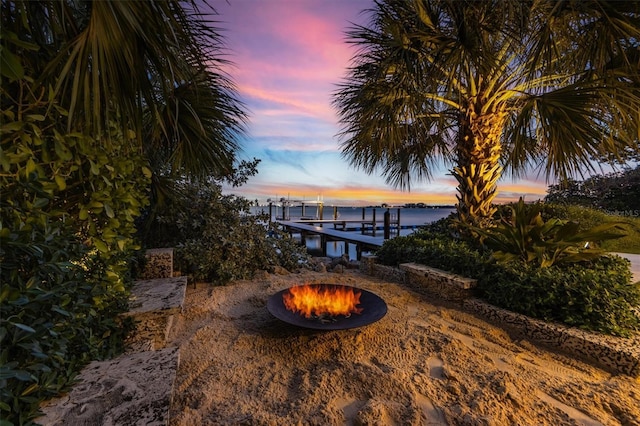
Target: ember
[322,301]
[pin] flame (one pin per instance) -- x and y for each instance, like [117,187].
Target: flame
[320,300]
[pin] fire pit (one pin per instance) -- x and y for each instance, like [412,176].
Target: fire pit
[326,306]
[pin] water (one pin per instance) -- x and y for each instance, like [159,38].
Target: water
[410,219]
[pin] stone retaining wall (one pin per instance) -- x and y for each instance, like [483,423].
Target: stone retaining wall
[617,355]
[369,266]
[443,284]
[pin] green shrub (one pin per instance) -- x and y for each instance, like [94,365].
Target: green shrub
[596,295]
[49,323]
[67,209]
[433,246]
[217,240]
[524,235]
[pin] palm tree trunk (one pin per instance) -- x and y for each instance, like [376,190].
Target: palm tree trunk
[478,158]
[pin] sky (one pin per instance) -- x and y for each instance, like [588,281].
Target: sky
[289,57]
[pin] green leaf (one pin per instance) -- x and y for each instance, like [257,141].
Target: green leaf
[94,168]
[62,151]
[60,182]
[23,376]
[60,311]
[108,210]
[40,202]
[12,126]
[10,65]
[24,327]
[30,389]
[15,374]
[100,245]
[12,38]
[32,282]
[30,167]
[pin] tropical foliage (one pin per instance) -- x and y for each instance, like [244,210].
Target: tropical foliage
[595,295]
[588,218]
[490,85]
[523,235]
[152,67]
[67,208]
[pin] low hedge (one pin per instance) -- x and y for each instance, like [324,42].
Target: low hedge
[596,295]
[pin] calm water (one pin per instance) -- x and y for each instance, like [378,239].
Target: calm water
[410,219]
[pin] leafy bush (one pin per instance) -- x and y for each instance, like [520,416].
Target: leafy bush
[585,216]
[50,323]
[618,191]
[524,235]
[440,252]
[217,240]
[595,295]
[67,209]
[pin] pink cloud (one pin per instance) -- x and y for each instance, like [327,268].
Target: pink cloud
[293,54]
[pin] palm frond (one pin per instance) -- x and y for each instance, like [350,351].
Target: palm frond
[196,130]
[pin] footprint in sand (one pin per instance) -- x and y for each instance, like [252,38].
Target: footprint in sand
[436,367]
[431,416]
[350,408]
[574,414]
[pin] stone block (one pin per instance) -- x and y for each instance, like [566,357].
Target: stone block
[369,266]
[132,389]
[367,263]
[157,295]
[443,284]
[159,264]
[153,305]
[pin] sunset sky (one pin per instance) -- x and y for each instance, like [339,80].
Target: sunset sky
[289,56]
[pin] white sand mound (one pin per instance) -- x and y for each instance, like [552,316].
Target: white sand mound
[424,363]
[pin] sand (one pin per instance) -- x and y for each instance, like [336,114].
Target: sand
[425,363]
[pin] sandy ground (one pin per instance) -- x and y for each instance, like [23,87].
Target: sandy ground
[424,363]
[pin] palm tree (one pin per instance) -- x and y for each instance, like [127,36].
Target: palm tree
[153,66]
[489,85]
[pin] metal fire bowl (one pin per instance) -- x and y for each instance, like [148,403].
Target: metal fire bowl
[373,309]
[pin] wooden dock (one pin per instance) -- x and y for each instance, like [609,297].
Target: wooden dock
[365,225]
[362,242]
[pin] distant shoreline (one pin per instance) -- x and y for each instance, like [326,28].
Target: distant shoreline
[371,206]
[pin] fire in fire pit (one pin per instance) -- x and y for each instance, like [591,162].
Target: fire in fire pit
[326,306]
[322,301]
